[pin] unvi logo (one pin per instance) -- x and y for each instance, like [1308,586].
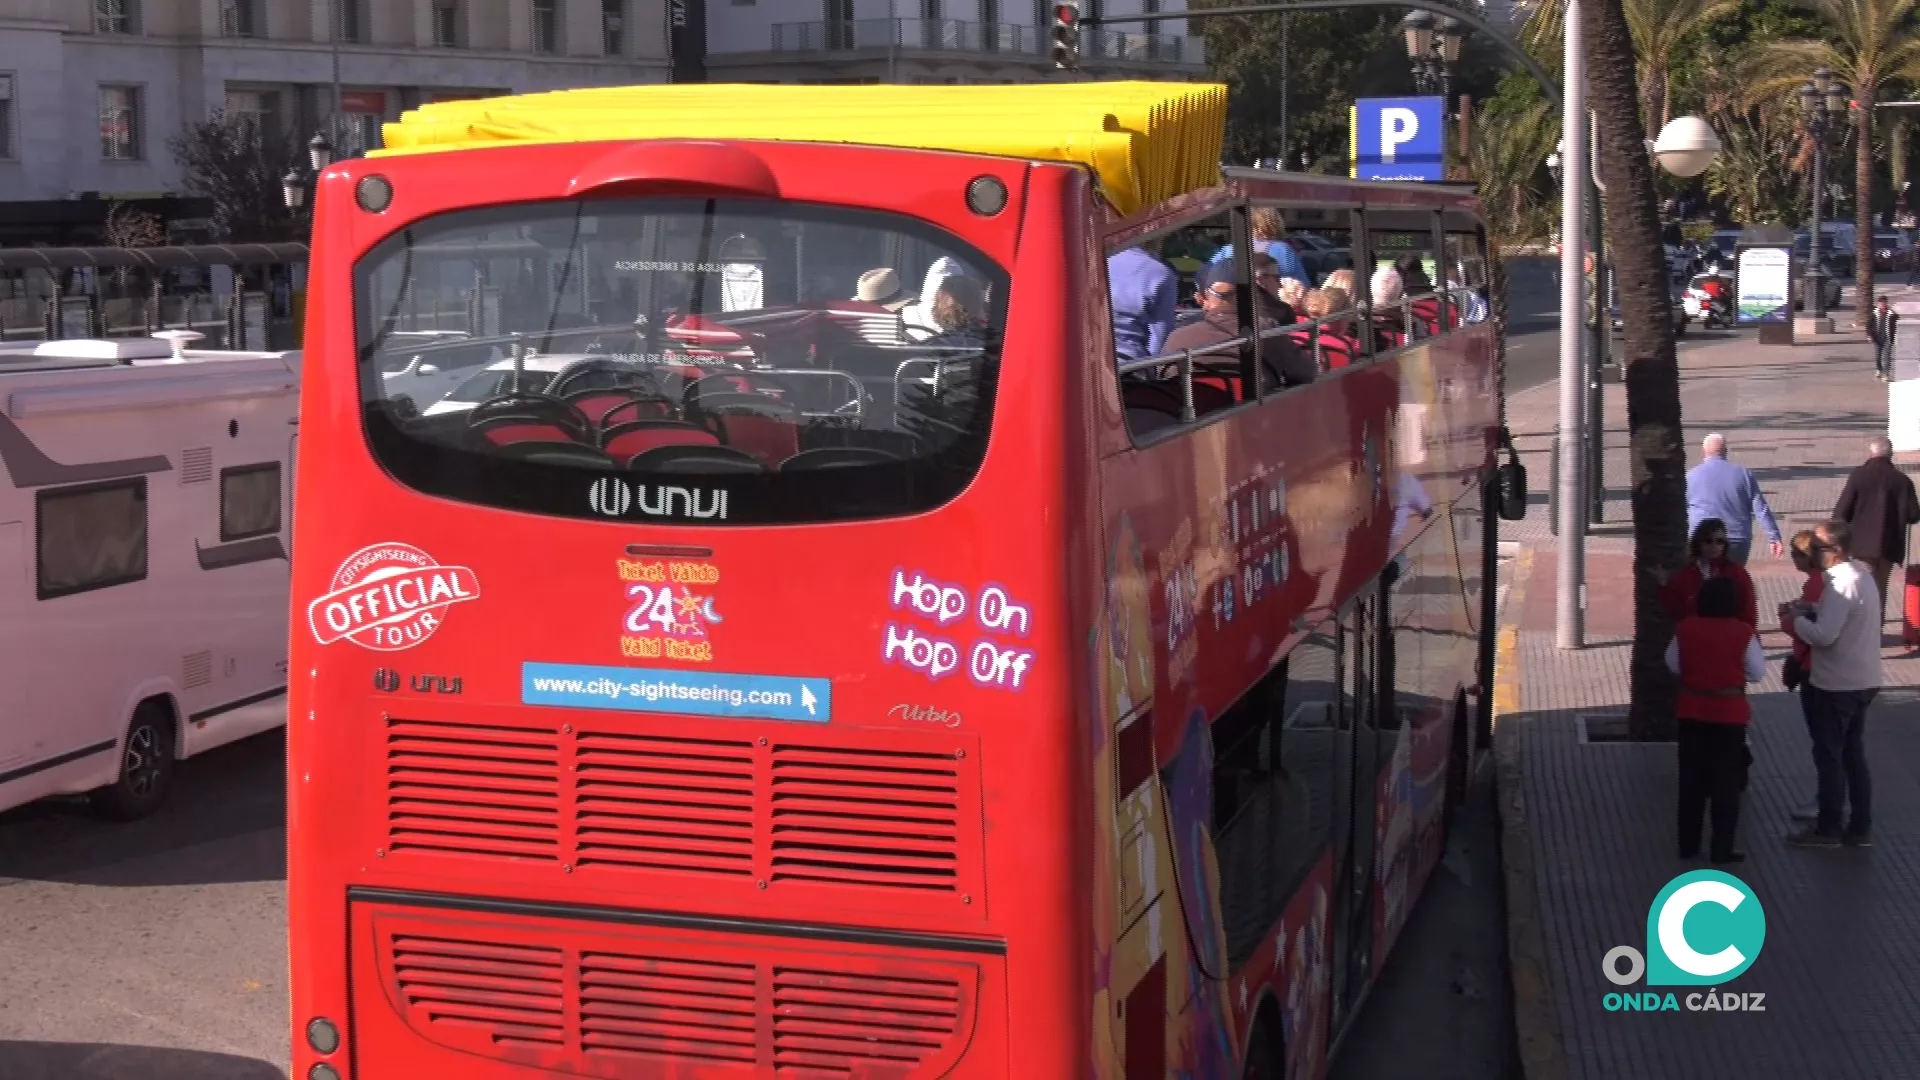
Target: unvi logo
[1704,928]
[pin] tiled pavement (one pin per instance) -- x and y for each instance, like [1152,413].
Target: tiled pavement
[1593,837]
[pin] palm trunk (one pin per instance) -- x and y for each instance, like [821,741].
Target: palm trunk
[1863,205]
[1658,448]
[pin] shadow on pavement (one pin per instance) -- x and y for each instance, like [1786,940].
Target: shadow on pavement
[224,822]
[1442,1008]
[106,1061]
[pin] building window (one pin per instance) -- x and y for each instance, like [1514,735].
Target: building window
[6,116]
[120,126]
[446,23]
[353,21]
[546,26]
[613,27]
[90,536]
[241,18]
[258,109]
[116,16]
[249,501]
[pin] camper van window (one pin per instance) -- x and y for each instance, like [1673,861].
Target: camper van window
[249,501]
[90,536]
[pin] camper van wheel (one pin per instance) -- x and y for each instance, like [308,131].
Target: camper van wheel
[146,766]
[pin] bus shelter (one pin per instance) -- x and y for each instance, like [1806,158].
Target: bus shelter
[242,296]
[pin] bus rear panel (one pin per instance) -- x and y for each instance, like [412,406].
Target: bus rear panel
[683,683]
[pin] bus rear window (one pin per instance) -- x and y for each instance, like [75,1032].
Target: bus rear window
[706,361]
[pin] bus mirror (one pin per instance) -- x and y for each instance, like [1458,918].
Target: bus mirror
[1512,480]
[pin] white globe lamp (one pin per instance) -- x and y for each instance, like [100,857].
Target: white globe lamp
[1686,146]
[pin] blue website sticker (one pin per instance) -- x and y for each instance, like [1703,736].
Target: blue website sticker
[702,693]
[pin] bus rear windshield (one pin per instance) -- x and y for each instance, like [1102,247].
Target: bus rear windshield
[680,360]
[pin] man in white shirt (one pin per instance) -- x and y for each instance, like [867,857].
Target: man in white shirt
[1844,632]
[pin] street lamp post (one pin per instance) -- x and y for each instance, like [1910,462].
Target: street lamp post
[1433,47]
[1822,102]
[296,188]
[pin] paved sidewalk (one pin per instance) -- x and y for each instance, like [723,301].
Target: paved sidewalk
[1590,830]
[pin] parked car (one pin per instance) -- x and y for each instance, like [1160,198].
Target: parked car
[1320,255]
[1890,252]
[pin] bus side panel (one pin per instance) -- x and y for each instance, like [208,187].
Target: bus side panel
[1225,541]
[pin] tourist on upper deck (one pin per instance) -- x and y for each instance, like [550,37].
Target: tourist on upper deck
[1286,365]
[1269,237]
[1144,291]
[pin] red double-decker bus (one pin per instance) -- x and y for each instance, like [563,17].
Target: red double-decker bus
[750,620]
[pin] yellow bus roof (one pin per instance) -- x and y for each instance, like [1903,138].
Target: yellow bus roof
[1144,141]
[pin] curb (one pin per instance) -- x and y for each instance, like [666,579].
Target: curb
[1542,1056]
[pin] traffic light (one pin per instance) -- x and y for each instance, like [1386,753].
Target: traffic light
[1066,35]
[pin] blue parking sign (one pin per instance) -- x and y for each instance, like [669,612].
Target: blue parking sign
[1399,138]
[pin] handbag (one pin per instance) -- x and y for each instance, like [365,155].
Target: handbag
[1792,674]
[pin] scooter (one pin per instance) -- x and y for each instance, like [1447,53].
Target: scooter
[1709,298]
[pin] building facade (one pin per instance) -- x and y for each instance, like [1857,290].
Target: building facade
[93,91]
[937,41]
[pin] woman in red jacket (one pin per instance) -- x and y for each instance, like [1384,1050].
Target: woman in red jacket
[1716,654]
[1708,560]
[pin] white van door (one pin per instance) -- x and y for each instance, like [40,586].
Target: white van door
[16,616]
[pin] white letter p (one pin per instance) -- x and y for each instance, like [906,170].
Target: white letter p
[1398,126]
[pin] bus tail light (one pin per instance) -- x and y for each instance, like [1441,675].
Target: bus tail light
[323,1036]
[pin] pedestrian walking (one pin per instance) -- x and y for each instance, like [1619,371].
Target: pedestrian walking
[1881,328]
[1716,654]
[1717,488]
[1879,503]
[1793,674]
[1707,560]
[1841,685]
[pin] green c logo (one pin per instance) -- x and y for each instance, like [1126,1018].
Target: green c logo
[1703,929]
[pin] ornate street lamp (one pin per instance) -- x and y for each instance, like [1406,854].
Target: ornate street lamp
[1433,47]
[297,186]
[1823,102]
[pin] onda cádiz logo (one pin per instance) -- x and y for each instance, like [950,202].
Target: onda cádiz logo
[614,497]
[389,597]
[1704,929]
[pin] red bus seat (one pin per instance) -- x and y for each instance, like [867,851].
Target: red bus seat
[693,458]
[639,407]
[763,426]
[623,441]
[1427,310]
[836,457]
[503,430]
[1335,350]
[597,402]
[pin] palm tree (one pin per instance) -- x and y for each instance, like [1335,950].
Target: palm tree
[1658,27]
[1871,43]
[1510,146]
[1763,155]
[1658,450]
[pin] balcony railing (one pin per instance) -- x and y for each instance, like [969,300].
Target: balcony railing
[953,35]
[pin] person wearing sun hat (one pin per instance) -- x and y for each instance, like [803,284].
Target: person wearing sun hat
[881,286]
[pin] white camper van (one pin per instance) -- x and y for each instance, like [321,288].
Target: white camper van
[144,531]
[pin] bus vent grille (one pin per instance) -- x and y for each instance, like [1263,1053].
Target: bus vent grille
[860,1025]
[196,465]
[592,997]
[196,670]
[659,803]
[516,994]
[671,1010]
[473,789]
[878,818]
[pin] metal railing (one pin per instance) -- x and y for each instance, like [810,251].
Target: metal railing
[954,35]
[1362,317]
